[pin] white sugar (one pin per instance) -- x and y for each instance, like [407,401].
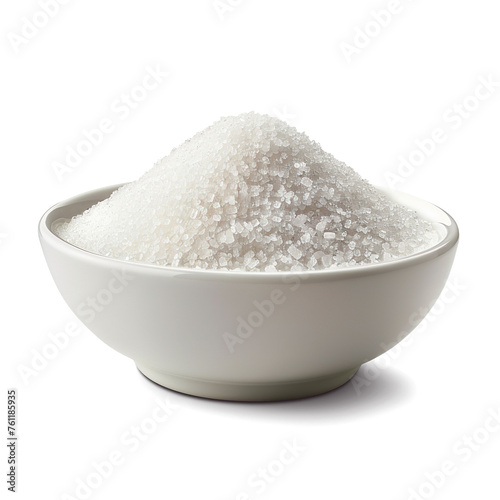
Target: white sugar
[250,193]
[294,252]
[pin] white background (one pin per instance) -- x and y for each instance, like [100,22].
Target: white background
[290,59]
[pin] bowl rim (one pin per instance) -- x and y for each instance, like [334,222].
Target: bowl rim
[442,218]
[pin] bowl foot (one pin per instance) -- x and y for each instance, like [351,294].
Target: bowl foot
[248,391]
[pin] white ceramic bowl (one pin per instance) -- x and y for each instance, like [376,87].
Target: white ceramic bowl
[250,336]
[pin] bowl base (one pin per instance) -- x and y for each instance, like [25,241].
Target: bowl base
[247,391]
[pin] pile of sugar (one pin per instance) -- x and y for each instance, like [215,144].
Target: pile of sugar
[250,193]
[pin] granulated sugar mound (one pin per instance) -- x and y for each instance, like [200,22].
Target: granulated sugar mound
[250,193]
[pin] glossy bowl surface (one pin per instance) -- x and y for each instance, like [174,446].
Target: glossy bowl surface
[248,336]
